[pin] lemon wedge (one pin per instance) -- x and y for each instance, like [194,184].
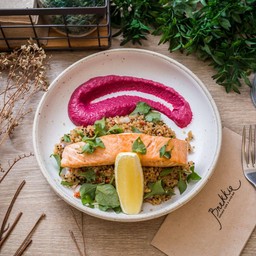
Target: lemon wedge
[129,182]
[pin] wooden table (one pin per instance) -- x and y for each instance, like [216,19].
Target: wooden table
[101,237]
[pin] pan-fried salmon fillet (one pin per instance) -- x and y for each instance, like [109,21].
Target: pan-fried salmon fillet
[116,143]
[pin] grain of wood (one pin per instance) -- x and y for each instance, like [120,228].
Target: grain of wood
[101,237]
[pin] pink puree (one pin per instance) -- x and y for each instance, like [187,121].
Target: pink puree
[82,111]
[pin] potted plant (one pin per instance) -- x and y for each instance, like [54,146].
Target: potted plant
[72,20]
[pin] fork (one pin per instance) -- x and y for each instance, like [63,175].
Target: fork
[249,154]
[253,91]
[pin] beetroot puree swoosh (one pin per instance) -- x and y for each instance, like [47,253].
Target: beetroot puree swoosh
[82,111]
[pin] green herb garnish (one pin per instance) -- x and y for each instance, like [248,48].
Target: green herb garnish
[135,130]
[67,183]
[100,127]
[115,130]
[89,175]
[157,189]
[87,193]
[153,116]
[165,172]
[139,147]
[164,153]
[219,31]
[182,185]
[58,161]
[90,145]
[66,138]
[106,196]
[193,175]
[142,108]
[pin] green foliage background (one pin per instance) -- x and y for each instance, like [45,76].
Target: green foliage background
[222,32]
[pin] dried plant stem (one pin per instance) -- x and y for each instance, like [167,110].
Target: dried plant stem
[26,245]
[3,226]
[75,241]
[28,237]
[16,160]
[83,236]
[81,229]
[25,77]
[74,216]
[9,230]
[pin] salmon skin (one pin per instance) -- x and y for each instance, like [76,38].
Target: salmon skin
[116,143]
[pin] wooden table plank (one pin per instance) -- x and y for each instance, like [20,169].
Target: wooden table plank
[102,237]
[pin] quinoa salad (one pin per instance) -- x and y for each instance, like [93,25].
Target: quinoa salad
[159,182]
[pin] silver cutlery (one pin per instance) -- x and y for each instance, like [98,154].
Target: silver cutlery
[249,154]
[253,90]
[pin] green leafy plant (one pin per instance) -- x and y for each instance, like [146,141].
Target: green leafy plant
[75,22]
[221,32]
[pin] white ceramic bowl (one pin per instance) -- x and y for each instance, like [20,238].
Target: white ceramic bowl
[51,120]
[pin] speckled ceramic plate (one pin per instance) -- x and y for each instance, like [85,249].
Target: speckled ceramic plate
[51,120]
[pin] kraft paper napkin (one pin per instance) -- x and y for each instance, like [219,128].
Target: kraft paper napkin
[220,219]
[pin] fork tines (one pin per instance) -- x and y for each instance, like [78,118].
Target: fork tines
[249,154]
[250,148]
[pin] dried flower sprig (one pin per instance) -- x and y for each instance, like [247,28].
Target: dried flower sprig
[27,241]
[81,229]
[23,75]
[9,228]
[11,165]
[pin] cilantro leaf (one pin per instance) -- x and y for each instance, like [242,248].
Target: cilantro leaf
[90,145]
[88,148]
[135,130]
[58,161]
[67,183]
[142,108]
[164,153]
[193,175]
[115,130]
[66,138]
[153,116]
[89,175]
[156,189]
[182,185]
[165,172]
[139,147]
[100,127]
